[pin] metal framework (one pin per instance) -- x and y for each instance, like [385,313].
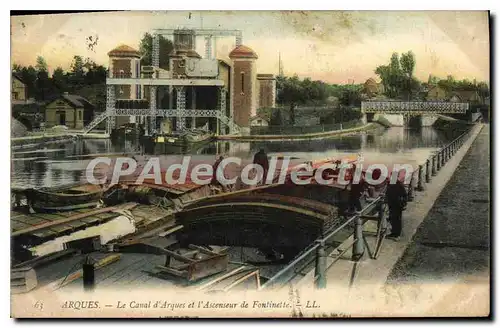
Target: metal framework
[152,109]
[180,112]
[110,109]
[413,107]
[155,56]
[181,108]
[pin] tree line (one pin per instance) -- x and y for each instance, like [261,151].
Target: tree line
[85,78]
[397,78]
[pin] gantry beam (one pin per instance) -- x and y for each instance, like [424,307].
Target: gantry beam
[175,82]
[200,32]
[413,107]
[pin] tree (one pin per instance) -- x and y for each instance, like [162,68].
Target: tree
[397,76]
[59,80]
[407,67]
[42,85]
[29,76]
[432,80]
[276,118]
[95,74]
[16,68]
[77,74]
[77,66]
[146,49]
[41,64]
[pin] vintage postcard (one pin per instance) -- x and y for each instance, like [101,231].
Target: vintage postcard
[250,164]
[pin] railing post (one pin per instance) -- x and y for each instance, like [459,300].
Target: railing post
[358,248]
[427,171]
[443,156]
[420,185]
[438,163]
[434,165]
[410,188]
[320,270]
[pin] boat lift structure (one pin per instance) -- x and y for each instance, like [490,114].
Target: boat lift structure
[180,83]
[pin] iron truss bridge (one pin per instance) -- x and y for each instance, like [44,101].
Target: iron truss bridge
[413,107]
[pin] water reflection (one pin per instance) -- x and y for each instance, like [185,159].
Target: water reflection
[64,163]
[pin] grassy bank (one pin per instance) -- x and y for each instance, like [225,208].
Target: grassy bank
[343,132]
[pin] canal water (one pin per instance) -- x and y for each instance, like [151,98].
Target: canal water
[60,164]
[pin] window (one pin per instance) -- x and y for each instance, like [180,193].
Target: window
[242,82]
[14,95]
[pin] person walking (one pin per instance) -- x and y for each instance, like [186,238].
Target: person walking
[396,198]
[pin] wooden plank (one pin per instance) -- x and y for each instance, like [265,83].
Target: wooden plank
[178,257]
[43,233]
[48,217]
[15,226]
[45,258]
[23,219]
[76,224]
[61,228]
[75,217]
[31,222]
[91,220]
[120,274]
[178,273]
[224,276]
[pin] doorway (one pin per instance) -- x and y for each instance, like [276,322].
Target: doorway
[62,118]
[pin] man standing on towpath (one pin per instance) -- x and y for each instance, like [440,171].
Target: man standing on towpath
[396,197]
[261,159]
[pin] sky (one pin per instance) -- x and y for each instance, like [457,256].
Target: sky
[333,46]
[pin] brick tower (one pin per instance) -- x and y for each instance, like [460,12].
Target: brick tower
[244,91]
[124,62]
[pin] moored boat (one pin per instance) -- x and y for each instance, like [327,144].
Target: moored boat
[64,198]
[184,139]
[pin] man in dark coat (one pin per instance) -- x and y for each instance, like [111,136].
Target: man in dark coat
[396,197]
[261,159]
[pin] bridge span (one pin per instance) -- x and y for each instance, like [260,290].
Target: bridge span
[400,113]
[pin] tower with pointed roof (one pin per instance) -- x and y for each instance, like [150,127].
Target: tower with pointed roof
[125,62]
[244,90]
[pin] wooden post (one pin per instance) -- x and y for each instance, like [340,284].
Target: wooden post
[320,270]
[88,270]
[358,247]
[410,188]
[434,165]
[420,185]
[427,171]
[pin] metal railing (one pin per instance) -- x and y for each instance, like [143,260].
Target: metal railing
[317,252]
[435,162]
